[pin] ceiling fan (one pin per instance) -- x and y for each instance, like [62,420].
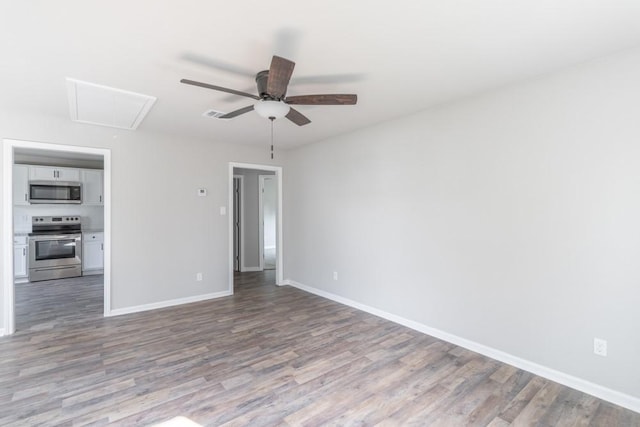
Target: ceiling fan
[272,89]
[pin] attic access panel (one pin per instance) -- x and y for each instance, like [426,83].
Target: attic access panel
[106,106]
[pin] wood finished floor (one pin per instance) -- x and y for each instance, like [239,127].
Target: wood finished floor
[266,356]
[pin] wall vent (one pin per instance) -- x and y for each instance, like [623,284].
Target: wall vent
[214,114]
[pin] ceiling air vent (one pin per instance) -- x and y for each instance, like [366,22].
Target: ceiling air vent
[214,114]
[107,106]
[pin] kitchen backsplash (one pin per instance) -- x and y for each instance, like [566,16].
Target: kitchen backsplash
[92,216]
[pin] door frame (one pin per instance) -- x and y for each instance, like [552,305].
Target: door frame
[279,244]
[240,219]
[9,146]
[261,179]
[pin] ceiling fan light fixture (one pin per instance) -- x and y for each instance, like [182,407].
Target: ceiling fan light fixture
[269,108]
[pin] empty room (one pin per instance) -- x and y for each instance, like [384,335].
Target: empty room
[336,213]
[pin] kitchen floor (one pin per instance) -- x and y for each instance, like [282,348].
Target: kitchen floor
[44,305]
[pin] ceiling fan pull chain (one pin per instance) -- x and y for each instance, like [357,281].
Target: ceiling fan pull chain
[272,119]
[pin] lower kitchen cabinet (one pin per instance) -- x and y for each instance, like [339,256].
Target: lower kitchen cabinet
[92,253]
[20,252]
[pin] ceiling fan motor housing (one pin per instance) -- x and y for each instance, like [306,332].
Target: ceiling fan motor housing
[261,80]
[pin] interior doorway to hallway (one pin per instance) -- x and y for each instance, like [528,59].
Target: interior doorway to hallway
[255,221]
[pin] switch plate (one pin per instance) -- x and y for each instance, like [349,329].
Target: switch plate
[223,210]
[199,277]
[335,275]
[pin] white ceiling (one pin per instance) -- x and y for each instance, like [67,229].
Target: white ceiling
[400,57]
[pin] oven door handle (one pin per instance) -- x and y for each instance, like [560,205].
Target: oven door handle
[56,237]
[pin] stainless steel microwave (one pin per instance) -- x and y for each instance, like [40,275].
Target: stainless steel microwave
[55,192]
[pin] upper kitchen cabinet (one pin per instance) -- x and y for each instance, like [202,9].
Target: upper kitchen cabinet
[20,185]
[92,186]
[48,173]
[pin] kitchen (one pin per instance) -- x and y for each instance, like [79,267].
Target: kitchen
[58,209]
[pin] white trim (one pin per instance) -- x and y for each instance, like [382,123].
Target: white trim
[168,303]
[9,146]
[261,221]
[240,220]
[106,268]
[279,240]
[245,269]
[261,179]
[261,248]
[7,241]
[613,396]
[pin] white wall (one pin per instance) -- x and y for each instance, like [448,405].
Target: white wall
[511,219]
[162,232]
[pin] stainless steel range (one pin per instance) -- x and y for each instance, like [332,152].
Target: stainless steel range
[55,248]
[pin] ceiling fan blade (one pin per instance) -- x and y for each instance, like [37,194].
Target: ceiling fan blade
[329,99]
[220,88]
[216,63]
[237,112]
[279,76]
[329,79]
[296,117]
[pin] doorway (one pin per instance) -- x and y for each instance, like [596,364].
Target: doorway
[16,148]
[246,228]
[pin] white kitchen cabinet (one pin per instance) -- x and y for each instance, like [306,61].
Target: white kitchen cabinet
[20,251]
[92,253]
[50,173]
[92,185]
[20,185]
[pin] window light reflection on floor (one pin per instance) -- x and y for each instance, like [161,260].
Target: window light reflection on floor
[178,422]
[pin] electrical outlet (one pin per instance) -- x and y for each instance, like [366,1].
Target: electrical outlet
[600,347]
[335,275]
[199,277]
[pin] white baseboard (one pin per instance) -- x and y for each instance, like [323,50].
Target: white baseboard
[169,303]
[246,269]
[604,393]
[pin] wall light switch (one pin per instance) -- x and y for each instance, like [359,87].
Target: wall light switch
[223,210]
[202,192]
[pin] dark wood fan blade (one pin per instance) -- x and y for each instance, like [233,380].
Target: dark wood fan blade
[220,88]
[279,76]
[329,99]
[217,64]
[237,112]
[296,117]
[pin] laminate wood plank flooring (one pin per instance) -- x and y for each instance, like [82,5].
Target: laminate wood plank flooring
[266,356]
